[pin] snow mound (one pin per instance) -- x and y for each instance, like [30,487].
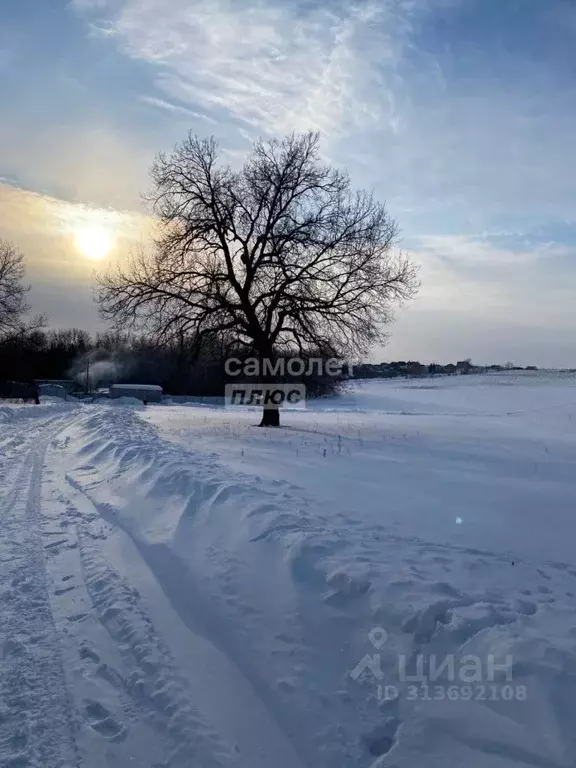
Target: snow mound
[356,635]
[125,400]
[119,401]
[48,407]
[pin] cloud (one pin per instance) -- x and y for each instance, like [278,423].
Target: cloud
[172,109]
[275,66]
[79,161]
[444,120]
[488,301]
[477,274]
[90,5]
[43,228]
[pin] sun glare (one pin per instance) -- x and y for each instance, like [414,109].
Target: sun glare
[94,242]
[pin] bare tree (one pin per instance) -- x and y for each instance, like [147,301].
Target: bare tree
[282,252]
[13,292]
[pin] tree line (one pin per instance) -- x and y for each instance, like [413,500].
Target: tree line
[180,367]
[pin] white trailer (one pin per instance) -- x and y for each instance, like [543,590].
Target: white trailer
[148,393]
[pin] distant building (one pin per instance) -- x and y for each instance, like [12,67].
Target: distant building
[464,366]
[148,393]
[371,371]
[413,369]
[52,390]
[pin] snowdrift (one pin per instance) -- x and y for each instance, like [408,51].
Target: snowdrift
[353,636]
[12,413]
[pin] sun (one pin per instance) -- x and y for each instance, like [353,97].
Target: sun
[94,242]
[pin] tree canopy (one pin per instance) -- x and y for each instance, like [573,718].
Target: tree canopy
[283,253]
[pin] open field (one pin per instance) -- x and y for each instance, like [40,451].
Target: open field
[180,588]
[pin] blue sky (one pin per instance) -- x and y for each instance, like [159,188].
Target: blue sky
[461,114]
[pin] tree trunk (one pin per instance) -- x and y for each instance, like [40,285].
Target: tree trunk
[270,416]
[270,412]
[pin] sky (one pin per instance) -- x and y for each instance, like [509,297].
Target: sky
[459,114]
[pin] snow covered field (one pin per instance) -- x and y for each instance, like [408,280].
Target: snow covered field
[389,580]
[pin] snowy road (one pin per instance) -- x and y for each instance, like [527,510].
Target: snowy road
[86,677]
[180,590]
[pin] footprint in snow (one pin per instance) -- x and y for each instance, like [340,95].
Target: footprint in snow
[77,617]
[63,590]
[383,738]
[88,653]
[100,720]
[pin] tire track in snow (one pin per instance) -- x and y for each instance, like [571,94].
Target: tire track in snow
[35,713]
[126,689]
[241,718]
[152,682]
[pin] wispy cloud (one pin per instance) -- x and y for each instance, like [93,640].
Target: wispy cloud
[433,126]
[168,106]
[276,66]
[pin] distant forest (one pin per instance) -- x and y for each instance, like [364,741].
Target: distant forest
[93,362]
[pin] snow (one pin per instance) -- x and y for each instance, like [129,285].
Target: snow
[12,412]
[126,400]
[144,387]
[180,588]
